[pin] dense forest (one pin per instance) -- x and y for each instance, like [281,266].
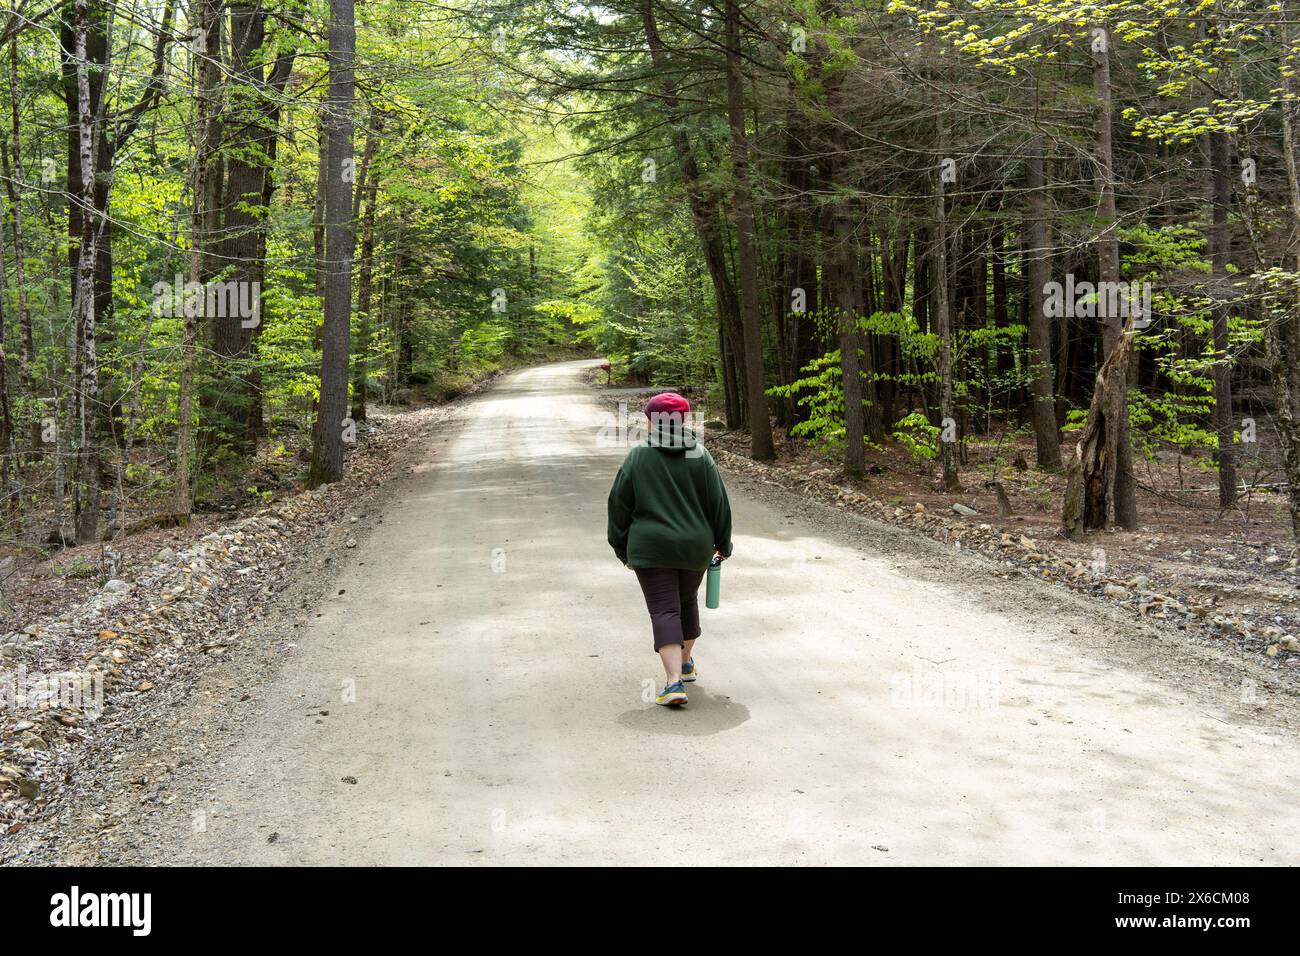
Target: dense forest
[231,228]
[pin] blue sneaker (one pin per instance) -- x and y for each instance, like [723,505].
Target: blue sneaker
[673,695]
[689,670]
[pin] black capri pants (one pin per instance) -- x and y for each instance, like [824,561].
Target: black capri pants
[670,596]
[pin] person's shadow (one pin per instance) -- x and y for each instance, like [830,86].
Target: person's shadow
[702,715]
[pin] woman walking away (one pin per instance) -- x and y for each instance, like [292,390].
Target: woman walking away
[668,516]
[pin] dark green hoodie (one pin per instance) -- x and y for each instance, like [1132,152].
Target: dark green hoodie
[668,507]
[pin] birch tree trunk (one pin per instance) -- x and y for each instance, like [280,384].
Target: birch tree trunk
[83,306]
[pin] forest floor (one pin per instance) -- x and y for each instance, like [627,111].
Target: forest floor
[447,665]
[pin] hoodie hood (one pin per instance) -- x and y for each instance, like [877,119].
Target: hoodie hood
[671,435]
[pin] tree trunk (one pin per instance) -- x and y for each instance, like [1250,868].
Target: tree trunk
[843,265]
[207,29]
[10,463]
[797,271]
[893,280]
[319,214]
[847,324]
[279,82]
[87,519]
[949,433]
[1220,245]
[403,333]
[369,179]
[13,159]
[242,229]
[328,436]
[730,390]
[97,56]
[1047,439]
[1125,496]
[1093,471]
[760,427]
[707,218]
[1283,334]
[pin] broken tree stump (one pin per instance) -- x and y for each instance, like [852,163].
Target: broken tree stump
[1091,472]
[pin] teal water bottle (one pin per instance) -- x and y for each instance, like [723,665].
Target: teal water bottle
[713,583]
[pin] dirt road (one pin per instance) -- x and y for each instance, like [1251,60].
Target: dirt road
[485,664]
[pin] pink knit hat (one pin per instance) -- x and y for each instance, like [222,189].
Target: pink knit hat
[667,403]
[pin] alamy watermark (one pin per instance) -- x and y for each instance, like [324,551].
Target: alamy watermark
[1099,300]
[927,689]
[68,690]
[234,299]
[664,429]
